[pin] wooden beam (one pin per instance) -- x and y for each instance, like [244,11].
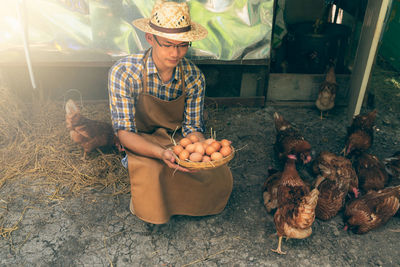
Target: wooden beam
[245,62]
[257,101]
[101,64]
[291,103]
[291,87]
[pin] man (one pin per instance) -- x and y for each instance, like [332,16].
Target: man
[157,93]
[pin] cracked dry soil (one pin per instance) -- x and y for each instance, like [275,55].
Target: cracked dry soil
[95,228]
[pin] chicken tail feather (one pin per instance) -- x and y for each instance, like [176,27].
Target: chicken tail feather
[305,215]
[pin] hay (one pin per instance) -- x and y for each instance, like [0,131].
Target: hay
[35,143]
[11,119]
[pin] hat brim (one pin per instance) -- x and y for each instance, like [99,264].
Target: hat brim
[197,32]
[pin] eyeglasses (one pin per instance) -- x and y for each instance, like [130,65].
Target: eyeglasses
[181,45]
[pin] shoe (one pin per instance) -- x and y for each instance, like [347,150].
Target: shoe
[131,208]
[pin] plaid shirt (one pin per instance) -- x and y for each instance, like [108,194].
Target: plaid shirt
[125,84]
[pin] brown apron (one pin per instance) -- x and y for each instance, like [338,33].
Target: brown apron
[157,191]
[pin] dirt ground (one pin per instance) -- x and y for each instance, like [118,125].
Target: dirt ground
[94,227]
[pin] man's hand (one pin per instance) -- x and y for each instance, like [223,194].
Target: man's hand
[169,159]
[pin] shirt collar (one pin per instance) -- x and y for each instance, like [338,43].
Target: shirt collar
[151,67]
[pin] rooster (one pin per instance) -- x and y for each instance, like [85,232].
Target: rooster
[339,177]
[296,205]
[360,134]
[372,210]
[89,134]
[290,141]
[371,172]
[327,92]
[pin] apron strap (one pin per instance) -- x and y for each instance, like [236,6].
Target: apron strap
[144,71]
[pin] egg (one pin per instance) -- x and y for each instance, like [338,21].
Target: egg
[206,159]
[225,142]
[205,145]
[216,145]
[196,157]
[185,141]
[225,151]
[216,156]
[198,147]
[190,148]
[210,149]
[184,155]
[209,141]
[193,138]
[178,149]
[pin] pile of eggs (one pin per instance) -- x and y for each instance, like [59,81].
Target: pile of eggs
[189,148]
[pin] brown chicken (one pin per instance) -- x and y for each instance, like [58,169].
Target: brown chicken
[290,141]
[89,134]
[339,179]
[372,210]
[296,205]
[360,133]
[344,167]
[371,172]
[270,190]
[392,165]
[327,92]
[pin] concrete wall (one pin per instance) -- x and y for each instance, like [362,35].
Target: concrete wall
[54,82]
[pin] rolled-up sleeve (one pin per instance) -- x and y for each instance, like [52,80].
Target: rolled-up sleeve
[122,88]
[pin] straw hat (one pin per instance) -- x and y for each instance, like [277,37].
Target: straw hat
[172,21]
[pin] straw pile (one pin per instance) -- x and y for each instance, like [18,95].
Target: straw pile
[34,142]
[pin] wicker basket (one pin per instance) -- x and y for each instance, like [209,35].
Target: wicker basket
[205,165]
